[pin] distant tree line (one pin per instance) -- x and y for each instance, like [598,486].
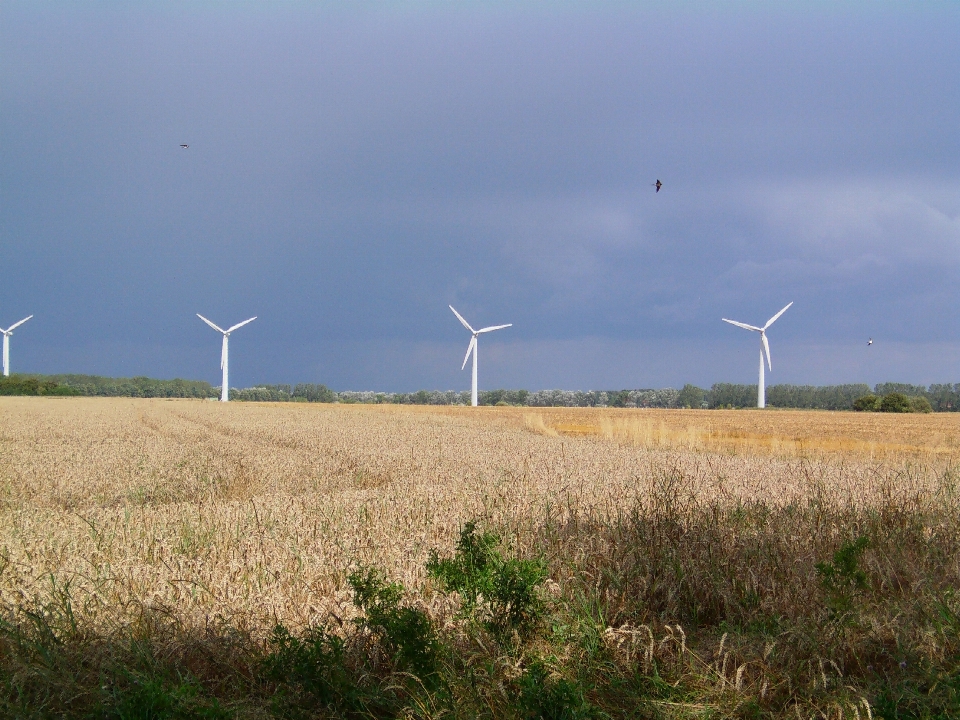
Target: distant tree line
[827,397]
[941,398]
[666,398]
[96,386]
[30,385]
[915,398]
[303,392]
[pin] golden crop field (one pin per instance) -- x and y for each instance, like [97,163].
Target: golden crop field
[256,512]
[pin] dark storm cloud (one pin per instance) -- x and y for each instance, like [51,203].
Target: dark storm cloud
[353,169]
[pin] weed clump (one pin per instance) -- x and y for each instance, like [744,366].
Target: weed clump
[502,594]
[547,695]
[406,633]
[842,578]
[394,655]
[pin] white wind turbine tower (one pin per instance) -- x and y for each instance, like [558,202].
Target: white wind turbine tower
[225,354]
[764,347]
[6,344]
[472,347]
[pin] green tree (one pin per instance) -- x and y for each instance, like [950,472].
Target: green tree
[944,397]
[738,396]
[866,403]
[919,404]
[895,403]
[692,396]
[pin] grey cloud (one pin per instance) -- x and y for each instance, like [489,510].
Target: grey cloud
[353,169]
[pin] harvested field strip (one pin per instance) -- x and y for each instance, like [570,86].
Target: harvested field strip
[801,433]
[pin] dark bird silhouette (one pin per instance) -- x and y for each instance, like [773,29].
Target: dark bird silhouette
[869,342]
[184,146]
[657,185]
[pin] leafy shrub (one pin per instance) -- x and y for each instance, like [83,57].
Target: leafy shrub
[842,578]
[501,593]
[321,671]
[547,696]
[155,696]
[314,667]
[867,403]
[895,403]
[406,633]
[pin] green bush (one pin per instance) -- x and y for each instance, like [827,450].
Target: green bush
[546,696]
[843,578]
[867,403]
[155,696]
[312,673]
[502,594]
[919,404]
[405,633]
[319,670]
[895,403]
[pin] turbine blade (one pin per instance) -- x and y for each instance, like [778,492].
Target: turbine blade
[10,329]
[743,325]
[215,327]
[494,327]
[223,352]
[242,324]
[766,346]
[473,342]
[465,323]
[772,320]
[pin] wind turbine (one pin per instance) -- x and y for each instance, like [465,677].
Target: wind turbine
[6,344]
[224,354]
[472,347]
[764,347]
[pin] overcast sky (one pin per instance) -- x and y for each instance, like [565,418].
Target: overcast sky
[356,167]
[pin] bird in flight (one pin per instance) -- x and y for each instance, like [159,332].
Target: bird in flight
[869,342]
[657,185]
[184,146]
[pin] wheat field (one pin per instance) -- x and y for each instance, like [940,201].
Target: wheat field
[252,513]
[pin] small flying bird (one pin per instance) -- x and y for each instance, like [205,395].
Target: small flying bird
[184,146]
[869,342]
[657,184]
